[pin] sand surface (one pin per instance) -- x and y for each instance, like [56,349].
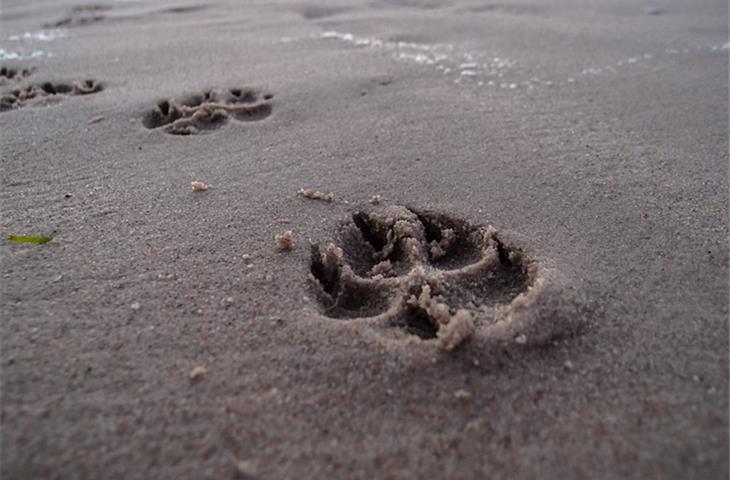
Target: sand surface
[162,334]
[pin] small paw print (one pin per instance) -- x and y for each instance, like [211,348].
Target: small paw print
[208,111]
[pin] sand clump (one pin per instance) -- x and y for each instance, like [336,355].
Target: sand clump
[312,194]
[440,248]
[199,186]
[197,373]
[459,328]
[397,229]
[327,266]
[284,241]
[462,394]
[451,330]
[383,268]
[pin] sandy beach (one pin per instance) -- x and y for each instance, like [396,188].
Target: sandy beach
[433,239]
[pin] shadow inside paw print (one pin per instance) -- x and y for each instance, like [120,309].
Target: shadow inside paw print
[20,97]
[208,111]
[421,273]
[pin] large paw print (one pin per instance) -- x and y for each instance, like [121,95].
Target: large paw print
[208,111]
[417,273]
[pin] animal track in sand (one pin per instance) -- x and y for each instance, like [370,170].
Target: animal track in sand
[412,273]
[81,15]
[419,4]
[317,12]
[208,111]
[84,15]
[183,9]
[10,74]
[20,97]
[502,8]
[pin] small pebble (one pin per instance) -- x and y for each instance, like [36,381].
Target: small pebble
[135,306]
[521,339]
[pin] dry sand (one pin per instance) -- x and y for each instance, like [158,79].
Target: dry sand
[161,334]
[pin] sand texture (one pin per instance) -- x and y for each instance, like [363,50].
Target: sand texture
[394,239]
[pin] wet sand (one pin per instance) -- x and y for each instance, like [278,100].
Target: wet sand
[163,334]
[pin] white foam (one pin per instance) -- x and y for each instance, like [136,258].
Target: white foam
[11,55]
[495,70]
[440,56]
[40,35]
[5,55]
[421,58]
